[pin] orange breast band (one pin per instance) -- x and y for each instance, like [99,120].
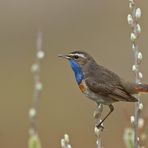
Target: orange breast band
[82,87]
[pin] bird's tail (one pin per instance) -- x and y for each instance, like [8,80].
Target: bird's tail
[142,88]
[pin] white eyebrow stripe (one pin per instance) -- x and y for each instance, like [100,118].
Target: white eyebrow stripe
[79,55]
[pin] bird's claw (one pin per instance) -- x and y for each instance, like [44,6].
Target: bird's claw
[100,126]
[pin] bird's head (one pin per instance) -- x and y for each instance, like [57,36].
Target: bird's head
[79,57]
[78,60]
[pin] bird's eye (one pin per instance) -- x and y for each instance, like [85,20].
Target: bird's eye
[76,57]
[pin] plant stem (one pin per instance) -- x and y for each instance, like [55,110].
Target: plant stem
[97,116]
[37,83]
[136,30]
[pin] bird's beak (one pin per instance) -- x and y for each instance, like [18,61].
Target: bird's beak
[64,56]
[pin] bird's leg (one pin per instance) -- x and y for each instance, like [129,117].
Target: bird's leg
[111,107]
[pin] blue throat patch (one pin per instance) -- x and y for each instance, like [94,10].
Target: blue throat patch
[77,71]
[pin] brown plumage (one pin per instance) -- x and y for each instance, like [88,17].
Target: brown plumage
[102,85]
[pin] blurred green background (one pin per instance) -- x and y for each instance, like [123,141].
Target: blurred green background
[98,27]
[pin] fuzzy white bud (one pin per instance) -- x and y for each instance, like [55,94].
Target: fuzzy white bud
[141,106]
[134,68]
[131,1]
[140,56]
[97,131]
[130,5]
[130,19]
[69,146]
[140,122]
[133,37]
[62,143]
[140,75]
[138,28]
[138,13]
[133,47]
[66,138]
[132,119]
[34,67]
[32,113]
[40,54]
[39,86]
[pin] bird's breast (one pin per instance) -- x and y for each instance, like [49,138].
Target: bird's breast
[92,95]
[83,86]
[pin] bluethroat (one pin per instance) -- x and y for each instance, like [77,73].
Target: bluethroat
[100,84]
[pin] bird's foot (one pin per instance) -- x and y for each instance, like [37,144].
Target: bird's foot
[100,126]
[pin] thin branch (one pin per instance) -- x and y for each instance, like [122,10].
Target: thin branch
[34,140]
[97,116]
[133,18]
[37,82]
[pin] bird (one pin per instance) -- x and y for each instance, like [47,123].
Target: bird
[99,83]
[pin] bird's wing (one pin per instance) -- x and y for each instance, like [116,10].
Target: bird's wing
[114,91]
